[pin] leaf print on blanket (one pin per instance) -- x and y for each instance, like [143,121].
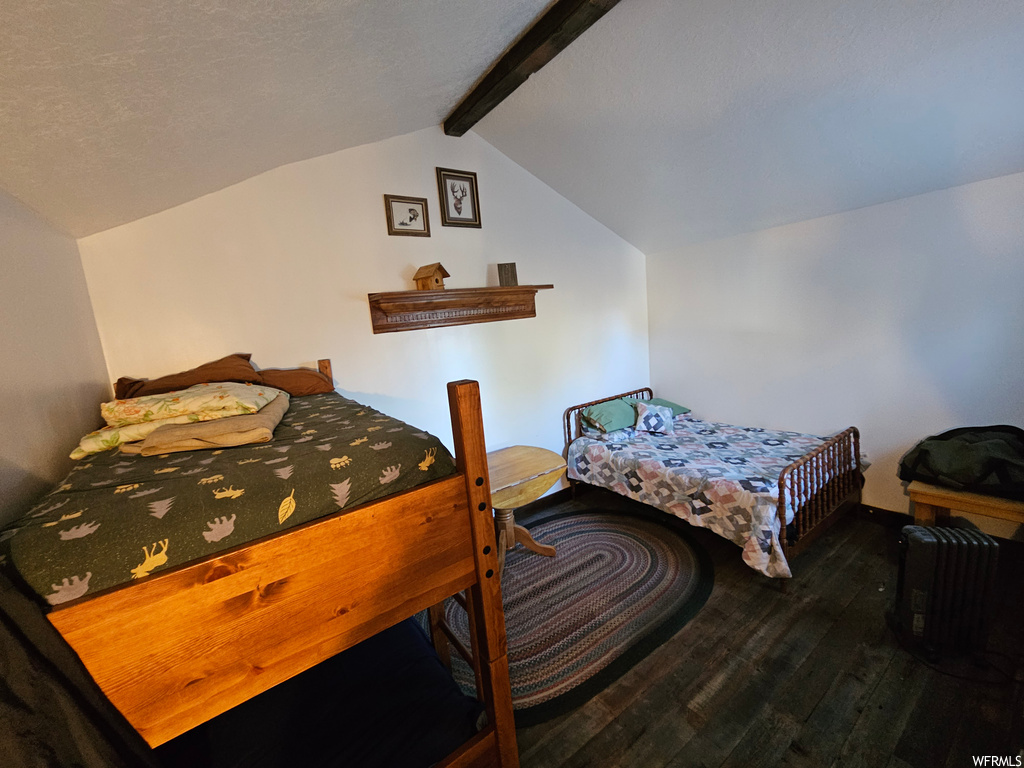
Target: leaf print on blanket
[380,446]
[389,475]
[287,507]
[69,590]
[228,493]
[63,518]
[344,461]
[220,528]
[160,508]
[341,492]
[359,441]
[285,472]
[79,531]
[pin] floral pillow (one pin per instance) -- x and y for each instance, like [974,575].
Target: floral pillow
[200,399]
[655,419]
[136,418]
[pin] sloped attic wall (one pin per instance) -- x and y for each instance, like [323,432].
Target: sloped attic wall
[54,373]
[905,319]
[280,266]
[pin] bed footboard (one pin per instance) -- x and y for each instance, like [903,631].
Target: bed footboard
[820,487]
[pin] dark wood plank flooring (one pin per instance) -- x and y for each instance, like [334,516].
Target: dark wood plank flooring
[806,675]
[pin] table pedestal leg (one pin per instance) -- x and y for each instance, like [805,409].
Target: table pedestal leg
[509,534]
[522,536]
[502,550]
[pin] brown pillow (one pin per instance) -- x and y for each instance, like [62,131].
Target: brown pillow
[297,381]
[230,368]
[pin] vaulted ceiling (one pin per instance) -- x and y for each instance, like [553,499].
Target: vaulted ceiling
[678,121]
[114,109]
[670,121]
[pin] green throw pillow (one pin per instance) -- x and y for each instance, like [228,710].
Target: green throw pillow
[677,410]
[611,415]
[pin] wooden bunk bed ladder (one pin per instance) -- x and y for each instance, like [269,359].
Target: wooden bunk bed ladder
[489,649]
[820,487]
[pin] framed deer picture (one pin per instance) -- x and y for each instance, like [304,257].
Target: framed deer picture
[460,204]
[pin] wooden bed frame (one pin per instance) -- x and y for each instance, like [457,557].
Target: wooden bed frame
[176,649]
[820,485]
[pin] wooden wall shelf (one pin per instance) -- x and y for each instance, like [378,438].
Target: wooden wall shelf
[411,310]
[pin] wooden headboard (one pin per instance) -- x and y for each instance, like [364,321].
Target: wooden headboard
[324,366]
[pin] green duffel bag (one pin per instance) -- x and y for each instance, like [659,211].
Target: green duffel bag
[987,460]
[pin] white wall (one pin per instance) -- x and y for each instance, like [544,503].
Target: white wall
[54,376]
[280,265]
[905,319]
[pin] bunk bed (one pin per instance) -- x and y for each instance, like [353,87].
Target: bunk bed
[772,493]
[180,646]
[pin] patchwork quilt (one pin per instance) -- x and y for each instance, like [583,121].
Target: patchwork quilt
[119,517]
[714,476]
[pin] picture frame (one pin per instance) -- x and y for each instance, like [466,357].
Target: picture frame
[407,216]
[460,201]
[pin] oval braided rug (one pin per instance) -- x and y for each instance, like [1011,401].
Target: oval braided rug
[619,586]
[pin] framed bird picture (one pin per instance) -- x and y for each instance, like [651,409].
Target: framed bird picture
[407,215]
[460,204]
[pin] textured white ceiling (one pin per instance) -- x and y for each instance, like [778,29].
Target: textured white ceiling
[114,109]
[677,121]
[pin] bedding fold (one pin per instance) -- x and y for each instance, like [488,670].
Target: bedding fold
[135,419]
[222,433]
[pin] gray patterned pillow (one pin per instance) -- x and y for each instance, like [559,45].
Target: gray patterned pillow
[656,419]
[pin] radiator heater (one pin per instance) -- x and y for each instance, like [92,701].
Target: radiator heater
[945,592]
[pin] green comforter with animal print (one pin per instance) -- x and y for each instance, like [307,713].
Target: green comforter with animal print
[116,517]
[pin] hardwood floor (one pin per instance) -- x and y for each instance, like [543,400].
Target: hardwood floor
[805,675]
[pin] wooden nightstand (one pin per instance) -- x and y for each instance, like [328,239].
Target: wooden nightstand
[519,475]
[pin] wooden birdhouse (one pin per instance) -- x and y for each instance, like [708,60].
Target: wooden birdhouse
[431,277]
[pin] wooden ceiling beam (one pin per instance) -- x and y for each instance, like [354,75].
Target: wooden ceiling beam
[550,35]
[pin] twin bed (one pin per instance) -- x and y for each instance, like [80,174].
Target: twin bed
[772,493]
[192,582]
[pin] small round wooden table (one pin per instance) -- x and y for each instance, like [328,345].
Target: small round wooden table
[519,475]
